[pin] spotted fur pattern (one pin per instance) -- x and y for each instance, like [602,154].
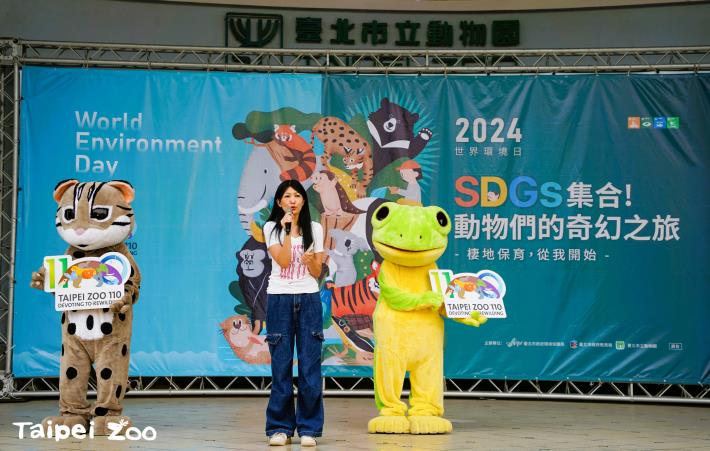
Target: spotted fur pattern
[340,138]
[96,218]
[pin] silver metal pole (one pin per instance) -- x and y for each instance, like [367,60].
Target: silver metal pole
[13,212]
[2,160]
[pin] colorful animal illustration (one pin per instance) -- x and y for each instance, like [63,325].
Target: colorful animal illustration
[408,324]
[293,155]
[100,272]
[253,269]
[287,156]
[346,245]
[470,284]
[257,186]
[333,198]
[286,135]
[340,138]
[95,218]
[248,346]
[392,131]
[351,308]
[302,162]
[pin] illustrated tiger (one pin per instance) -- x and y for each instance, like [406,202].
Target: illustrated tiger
[301,153]
[352,307]
[95,218]
[340,138]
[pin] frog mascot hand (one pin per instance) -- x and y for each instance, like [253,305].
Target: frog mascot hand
[409,329]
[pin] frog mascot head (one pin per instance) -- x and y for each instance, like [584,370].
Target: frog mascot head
[409,329]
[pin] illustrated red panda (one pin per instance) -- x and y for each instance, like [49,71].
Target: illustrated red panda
[302,152]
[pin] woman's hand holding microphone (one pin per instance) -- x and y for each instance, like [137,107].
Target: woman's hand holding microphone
[287,221]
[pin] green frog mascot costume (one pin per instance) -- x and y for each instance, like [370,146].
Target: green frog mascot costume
[409,328]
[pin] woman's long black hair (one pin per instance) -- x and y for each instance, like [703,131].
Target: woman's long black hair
[304,217]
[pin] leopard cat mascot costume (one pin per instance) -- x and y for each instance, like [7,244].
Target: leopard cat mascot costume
[95,218]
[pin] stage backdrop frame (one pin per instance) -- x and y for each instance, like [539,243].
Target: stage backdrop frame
[15,53]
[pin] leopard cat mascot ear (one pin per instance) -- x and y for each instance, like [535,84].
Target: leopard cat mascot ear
[95,218]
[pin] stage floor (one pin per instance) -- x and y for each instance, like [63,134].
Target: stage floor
[237,423]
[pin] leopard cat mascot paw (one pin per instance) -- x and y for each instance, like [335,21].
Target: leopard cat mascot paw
[95,218]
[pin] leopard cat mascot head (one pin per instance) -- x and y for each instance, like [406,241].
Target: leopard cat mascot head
[94,215]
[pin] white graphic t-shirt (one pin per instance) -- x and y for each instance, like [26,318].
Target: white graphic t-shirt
[295,278]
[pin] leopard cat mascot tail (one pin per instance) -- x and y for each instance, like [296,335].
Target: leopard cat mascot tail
[95,218]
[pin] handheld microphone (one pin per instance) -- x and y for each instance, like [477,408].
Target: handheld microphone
[288,224]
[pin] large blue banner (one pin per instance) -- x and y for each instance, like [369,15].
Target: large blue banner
[588,194]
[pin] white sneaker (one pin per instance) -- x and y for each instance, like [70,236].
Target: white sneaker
[279,439]
[307,440]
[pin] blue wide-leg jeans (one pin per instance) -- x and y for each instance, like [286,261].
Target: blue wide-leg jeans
[296,317]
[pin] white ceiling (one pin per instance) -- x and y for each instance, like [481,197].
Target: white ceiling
[437,5]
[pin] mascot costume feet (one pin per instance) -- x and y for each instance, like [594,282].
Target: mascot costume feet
[409,329]
[95,218]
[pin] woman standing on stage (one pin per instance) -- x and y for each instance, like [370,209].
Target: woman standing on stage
[294,312]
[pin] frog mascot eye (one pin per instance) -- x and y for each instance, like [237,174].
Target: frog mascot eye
[442,219]
[382,213]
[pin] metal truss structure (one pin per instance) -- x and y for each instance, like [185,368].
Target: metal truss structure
[367,61]
[9,129]
[364,386]
[14,54]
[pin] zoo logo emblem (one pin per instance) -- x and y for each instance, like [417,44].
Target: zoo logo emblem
[88,282]
[468,292]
